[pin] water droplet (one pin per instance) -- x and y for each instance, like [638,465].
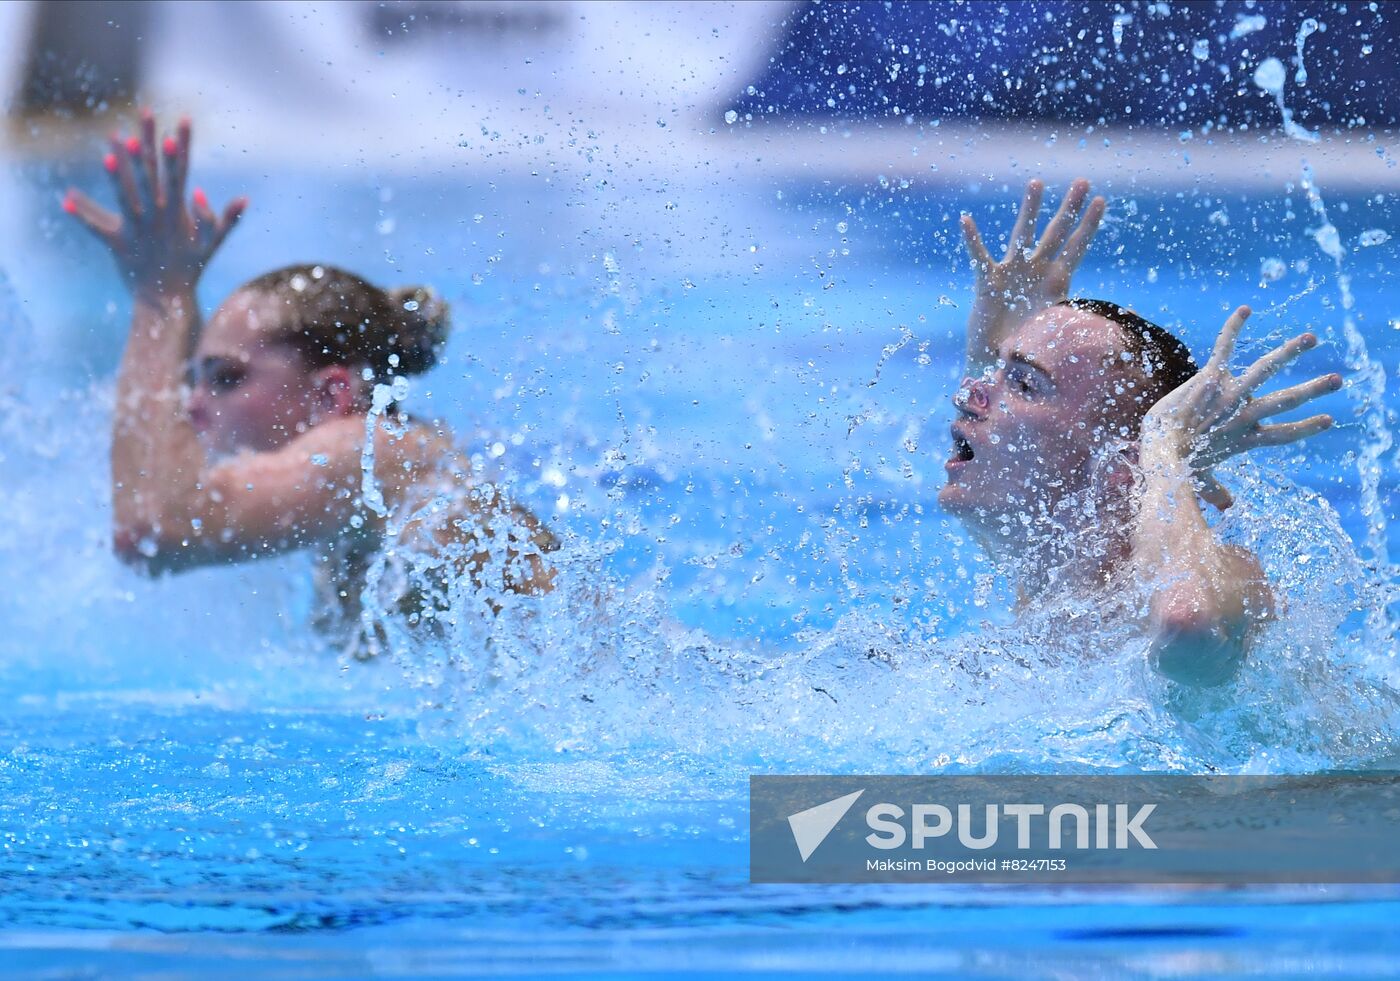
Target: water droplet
[1329,241]
[1270,76]
[731,117]
[1248,24]
[1272,270]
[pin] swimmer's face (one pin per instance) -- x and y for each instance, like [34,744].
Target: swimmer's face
[247,391]
[1025,436]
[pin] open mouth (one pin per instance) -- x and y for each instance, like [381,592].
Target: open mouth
[962,449]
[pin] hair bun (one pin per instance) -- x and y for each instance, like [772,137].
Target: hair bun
[424,326]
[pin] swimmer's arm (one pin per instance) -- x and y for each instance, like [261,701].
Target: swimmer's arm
[161,246]
[154,448]
[1206,596]
[263,504]
[1032,275]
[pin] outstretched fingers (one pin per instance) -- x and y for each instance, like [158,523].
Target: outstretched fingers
[1291,432]
[981,258]
[203,220]
[148,165]
[1271,363]
[117,163]
[176,155]
[1083,236]
[1225,343]
[1287,399]
[232,213]
[105,224]
[1023,235]
[1213,492]
[1059,228]
[210,230]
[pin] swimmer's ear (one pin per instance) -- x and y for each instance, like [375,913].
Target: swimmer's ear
[333,391]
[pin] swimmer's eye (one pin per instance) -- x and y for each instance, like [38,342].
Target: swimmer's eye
[226,379]
[1022,381]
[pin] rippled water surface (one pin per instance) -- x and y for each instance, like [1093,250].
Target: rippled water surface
[739,430]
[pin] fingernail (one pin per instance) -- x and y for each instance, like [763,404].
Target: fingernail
[70,205]
[170,146]
[110,162]
[1336,381]
[133,146]
[200,201]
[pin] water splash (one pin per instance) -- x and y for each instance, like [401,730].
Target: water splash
[1305,31]
[1270,77]
[600,666]
[1368,389]
[371,496]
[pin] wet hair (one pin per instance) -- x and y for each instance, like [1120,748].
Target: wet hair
[334,317]
[1165,362]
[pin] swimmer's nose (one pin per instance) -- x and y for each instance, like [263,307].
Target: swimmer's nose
[971,397]
[197,412]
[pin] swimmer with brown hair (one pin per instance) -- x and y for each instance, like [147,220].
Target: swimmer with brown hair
[1054,384]
[247,436]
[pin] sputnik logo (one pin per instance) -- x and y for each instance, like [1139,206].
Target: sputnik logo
[810,827]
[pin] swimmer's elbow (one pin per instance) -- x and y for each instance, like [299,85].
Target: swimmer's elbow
[1202,625]
[135,549]
[1195,646]
[146,550]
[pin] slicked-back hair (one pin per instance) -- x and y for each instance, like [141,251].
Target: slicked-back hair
[334,317]
[1164,361]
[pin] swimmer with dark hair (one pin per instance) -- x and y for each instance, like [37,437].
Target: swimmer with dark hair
[247,436]
[1055,386]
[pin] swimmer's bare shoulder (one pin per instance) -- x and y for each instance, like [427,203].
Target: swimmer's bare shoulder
[468,519]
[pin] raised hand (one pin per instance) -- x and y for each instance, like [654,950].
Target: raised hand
[160,243]
[1033,274]
[1214,416]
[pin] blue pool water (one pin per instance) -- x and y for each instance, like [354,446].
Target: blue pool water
[733,406]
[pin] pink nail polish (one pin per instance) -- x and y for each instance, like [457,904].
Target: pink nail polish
[200,201]
[70,205]
[133,146]
[110,163]
[170,146]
